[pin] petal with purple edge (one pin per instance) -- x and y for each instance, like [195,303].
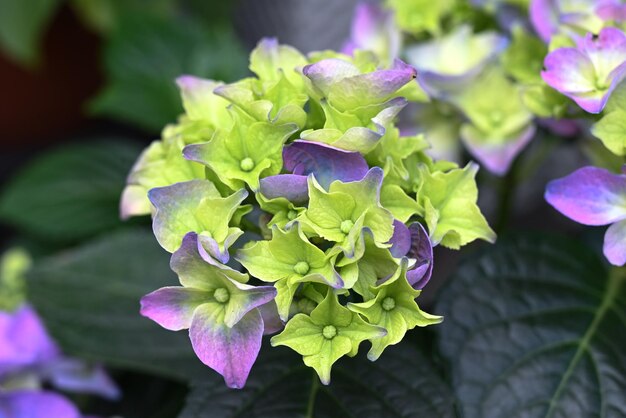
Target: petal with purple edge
[36,404]
[73,375]
[569,70]
[247,299]
[292,187]
[326,72]
[195,272]
[401,239]
[590,195]
[615,243]
[606,51]
[496,156]
[422,251]
[229,351]
[173,307]
[271,320]
[327,163]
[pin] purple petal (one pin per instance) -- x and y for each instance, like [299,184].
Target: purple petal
[229,351]
[24,340]
[497,156]
[373,28]
[401,239]
[441,85]
[590,195]
[569,71]
[292,187]
[561,127]
[36,404]
[615,243]
[325,162]
[271,320]
[173,307]
[422,252]
[612,10]
[73,375]
[544,17]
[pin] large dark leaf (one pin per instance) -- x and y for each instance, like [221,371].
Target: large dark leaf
[402,383]
[536,327]
[145,55]
[89,299]
[71,193]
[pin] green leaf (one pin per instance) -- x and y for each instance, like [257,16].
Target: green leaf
[89,300]
[523,59]
[71,193]
[534,328]
[144,56]
[611,130]
[403,383]
[21,25]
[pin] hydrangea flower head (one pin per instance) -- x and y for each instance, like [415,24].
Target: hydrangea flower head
[309,193]
[589,73]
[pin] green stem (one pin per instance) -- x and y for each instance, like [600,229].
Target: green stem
[315,385]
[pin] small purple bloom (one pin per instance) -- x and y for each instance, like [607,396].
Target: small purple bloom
[589,73]
[292,187]
[497,156]
[594,196]
[447,65]
[422,251]
[548,16]
[218,308]
[612,10]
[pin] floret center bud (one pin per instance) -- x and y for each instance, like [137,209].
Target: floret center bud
[389,304]
[329,332]
[302,268]
[247,164]
[221,295]
[292,214]
[346,226]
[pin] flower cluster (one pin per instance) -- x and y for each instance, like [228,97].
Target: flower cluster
[513,67]
[292,203]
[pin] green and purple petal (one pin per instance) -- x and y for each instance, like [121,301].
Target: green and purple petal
[400,240]
[229,351]
[590,195]
[173,307]
[293,187]
[327,163]
[497,156]
[373,29]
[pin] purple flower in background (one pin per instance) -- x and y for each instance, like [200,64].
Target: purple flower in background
[594,196]
[612,10]
[218,308]
[589,73]
[28,353]
[548,17]
[374,29]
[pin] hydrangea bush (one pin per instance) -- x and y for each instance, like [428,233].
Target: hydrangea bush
[293,205]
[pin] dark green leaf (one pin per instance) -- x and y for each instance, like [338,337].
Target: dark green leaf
[535,328]
[71,193]
[21,24]
[146,54]
[89,299]
[402,383]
